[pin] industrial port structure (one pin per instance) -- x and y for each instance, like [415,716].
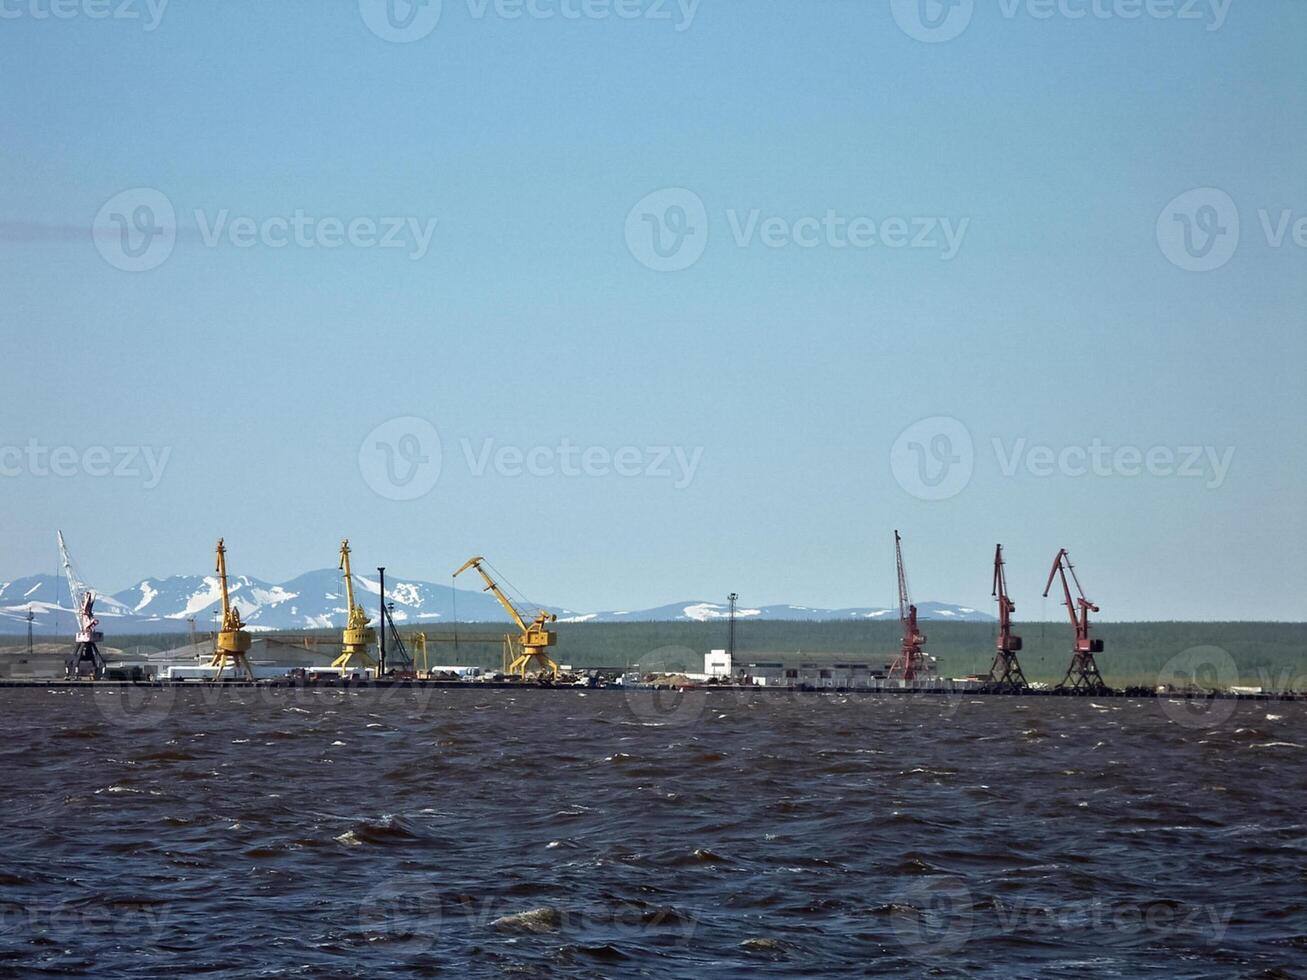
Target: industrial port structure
[527,650]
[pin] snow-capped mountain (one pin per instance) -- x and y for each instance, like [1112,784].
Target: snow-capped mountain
[317,600]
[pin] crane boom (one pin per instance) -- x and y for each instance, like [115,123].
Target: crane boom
[349,578]
[535,636]
[905,603]
[86,655]
[493,589]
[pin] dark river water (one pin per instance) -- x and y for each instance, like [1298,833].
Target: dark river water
[595,834]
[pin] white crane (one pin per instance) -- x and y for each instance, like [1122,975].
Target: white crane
[86,658]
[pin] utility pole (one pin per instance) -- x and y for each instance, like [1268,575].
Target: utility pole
[381,668]
[730,635]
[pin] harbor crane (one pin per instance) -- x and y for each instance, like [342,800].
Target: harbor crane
[1005,673]
[1082,674]
[535,637]
[86,658]
[358,636]
[233,641]
[912,660]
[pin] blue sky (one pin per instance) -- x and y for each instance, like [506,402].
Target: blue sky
[787,363]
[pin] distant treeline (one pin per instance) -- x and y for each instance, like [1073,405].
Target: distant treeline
[1272,655]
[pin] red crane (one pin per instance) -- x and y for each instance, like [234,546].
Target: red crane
[1005,673]
[912,660]
[1083,673]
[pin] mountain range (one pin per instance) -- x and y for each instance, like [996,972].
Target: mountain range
[316,600]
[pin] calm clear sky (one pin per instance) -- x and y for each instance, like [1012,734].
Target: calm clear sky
[786,362]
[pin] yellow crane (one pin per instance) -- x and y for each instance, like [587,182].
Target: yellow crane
[233,642]
[358,636]
[535,637]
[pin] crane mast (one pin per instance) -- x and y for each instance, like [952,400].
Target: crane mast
[233,642]
[912,661]
[1082,674]
[86,658]
[357,637]
[534,639]
[1005,674]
